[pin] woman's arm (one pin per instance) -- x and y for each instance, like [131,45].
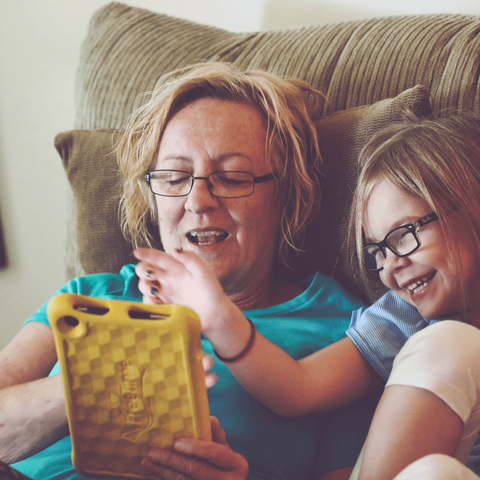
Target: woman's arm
[32,405]
[333,376]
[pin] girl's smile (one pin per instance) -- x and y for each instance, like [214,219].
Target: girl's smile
[428,278]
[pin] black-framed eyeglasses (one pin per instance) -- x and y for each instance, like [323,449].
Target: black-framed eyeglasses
[228,184]
[402,241]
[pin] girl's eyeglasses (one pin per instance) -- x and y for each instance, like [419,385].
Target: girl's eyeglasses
[402,241]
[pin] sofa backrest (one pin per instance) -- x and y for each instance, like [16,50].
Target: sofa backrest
[370,70]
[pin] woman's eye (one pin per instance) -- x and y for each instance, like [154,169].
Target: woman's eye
[233,179]
[177,179]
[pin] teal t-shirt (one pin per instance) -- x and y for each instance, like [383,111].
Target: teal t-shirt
[275,447]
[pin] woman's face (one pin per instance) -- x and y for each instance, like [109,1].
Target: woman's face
[236,237]
[428,278]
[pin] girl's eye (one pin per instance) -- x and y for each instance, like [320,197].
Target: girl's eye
[373,256]
[373,251]
[404,236]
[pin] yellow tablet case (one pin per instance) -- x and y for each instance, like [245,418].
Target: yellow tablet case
[133,379]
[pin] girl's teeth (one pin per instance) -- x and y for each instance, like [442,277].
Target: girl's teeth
[419,285]
[419,288]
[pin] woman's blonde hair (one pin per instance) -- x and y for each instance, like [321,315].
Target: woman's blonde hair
[435,159]
[286,106]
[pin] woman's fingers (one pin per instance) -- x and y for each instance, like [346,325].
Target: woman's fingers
[215,460]
[182,278]
[148,285]
[218,433]
[211,379]
[154,268]
[197,459]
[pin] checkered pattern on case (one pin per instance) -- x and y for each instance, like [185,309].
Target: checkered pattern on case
[128,392]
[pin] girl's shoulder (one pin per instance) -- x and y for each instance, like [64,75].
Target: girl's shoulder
[381,330]
[391,311]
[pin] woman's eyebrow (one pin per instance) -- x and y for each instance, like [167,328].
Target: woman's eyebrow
[217,159]
[173,157]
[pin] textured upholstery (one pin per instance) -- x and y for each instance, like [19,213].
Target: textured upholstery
[355,63]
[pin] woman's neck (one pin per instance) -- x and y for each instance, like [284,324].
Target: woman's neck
[265,295]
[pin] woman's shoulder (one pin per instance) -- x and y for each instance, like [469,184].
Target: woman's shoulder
[122,284]
[318,295]
[330,290]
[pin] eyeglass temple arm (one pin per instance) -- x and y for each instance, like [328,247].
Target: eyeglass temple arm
[431,217]
[263,178]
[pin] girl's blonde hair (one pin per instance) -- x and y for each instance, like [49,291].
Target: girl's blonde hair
[434,159]
[291,147]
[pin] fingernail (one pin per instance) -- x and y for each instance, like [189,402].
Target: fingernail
[180,445]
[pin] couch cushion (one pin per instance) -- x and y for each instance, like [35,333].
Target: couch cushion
[90,164]
[342,136]
[354,63]
[127,50]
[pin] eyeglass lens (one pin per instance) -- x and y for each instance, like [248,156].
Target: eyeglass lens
[402,241]
[173,183]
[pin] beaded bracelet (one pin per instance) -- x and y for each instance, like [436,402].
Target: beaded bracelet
[244,352]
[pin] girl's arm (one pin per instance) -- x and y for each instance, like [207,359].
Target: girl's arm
[329,378]
[32,405]
[422,424]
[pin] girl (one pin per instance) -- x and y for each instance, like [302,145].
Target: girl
[414,227]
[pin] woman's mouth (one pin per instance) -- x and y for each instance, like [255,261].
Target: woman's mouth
[420,284]
[207,237]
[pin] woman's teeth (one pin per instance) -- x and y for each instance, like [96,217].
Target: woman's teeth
[207,237]
[418,285]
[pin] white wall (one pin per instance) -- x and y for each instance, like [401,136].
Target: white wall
[39,50]
[288,13]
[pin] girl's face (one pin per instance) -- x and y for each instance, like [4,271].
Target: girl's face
[428,278]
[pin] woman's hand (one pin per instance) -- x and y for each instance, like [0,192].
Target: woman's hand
[196,459]
[179,278]
[211,378]
[182,278]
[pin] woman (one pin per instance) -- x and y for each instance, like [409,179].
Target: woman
[226,164]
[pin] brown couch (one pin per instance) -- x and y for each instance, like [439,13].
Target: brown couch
[370,70]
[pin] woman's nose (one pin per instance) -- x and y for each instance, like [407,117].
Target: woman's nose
[200,198]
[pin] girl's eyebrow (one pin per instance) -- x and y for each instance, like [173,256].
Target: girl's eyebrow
[401,221]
